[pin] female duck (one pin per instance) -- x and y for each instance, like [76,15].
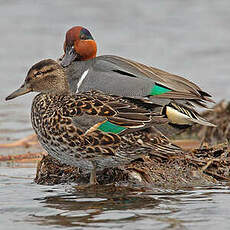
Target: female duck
[121,130]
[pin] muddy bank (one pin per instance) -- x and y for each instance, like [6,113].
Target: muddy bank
[195,168]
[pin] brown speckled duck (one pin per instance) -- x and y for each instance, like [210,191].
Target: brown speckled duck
[121,132]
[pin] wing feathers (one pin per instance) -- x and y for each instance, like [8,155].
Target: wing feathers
[181,87]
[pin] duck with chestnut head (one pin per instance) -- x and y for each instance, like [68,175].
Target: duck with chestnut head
[159,91]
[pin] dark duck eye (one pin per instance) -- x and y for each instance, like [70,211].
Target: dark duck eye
[37,74]
[83,37]
[85,34]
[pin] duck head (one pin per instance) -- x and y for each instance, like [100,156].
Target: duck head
[46,76]
[79,45]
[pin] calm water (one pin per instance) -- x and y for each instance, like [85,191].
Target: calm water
[31,206]
[190,38]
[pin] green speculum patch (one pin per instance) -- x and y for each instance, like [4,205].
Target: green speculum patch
[108,127]
[158,90]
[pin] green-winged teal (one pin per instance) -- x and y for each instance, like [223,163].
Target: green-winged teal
[173,95]
[122,130]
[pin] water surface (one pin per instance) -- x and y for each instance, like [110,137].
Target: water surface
[190,38]
[27,205]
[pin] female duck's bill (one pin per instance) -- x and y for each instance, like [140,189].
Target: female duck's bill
[24,89]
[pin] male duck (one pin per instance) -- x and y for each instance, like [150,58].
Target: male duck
[171,95]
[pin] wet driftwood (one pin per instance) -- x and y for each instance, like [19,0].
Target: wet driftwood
[25,142]
[20,157]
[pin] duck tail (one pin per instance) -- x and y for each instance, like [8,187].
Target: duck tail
[182,115]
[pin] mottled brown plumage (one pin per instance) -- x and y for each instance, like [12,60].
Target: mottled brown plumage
[119,132]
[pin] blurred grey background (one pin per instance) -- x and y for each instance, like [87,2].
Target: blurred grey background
[189,38]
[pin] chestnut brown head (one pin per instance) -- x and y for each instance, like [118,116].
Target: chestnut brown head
[79,45]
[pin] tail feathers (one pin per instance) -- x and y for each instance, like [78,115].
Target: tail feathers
[181,115]
[165,150]
[161,145]
[206,96]
[169,149]
[200,120]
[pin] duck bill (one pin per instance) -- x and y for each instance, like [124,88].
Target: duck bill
[69,57]
[21,91]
